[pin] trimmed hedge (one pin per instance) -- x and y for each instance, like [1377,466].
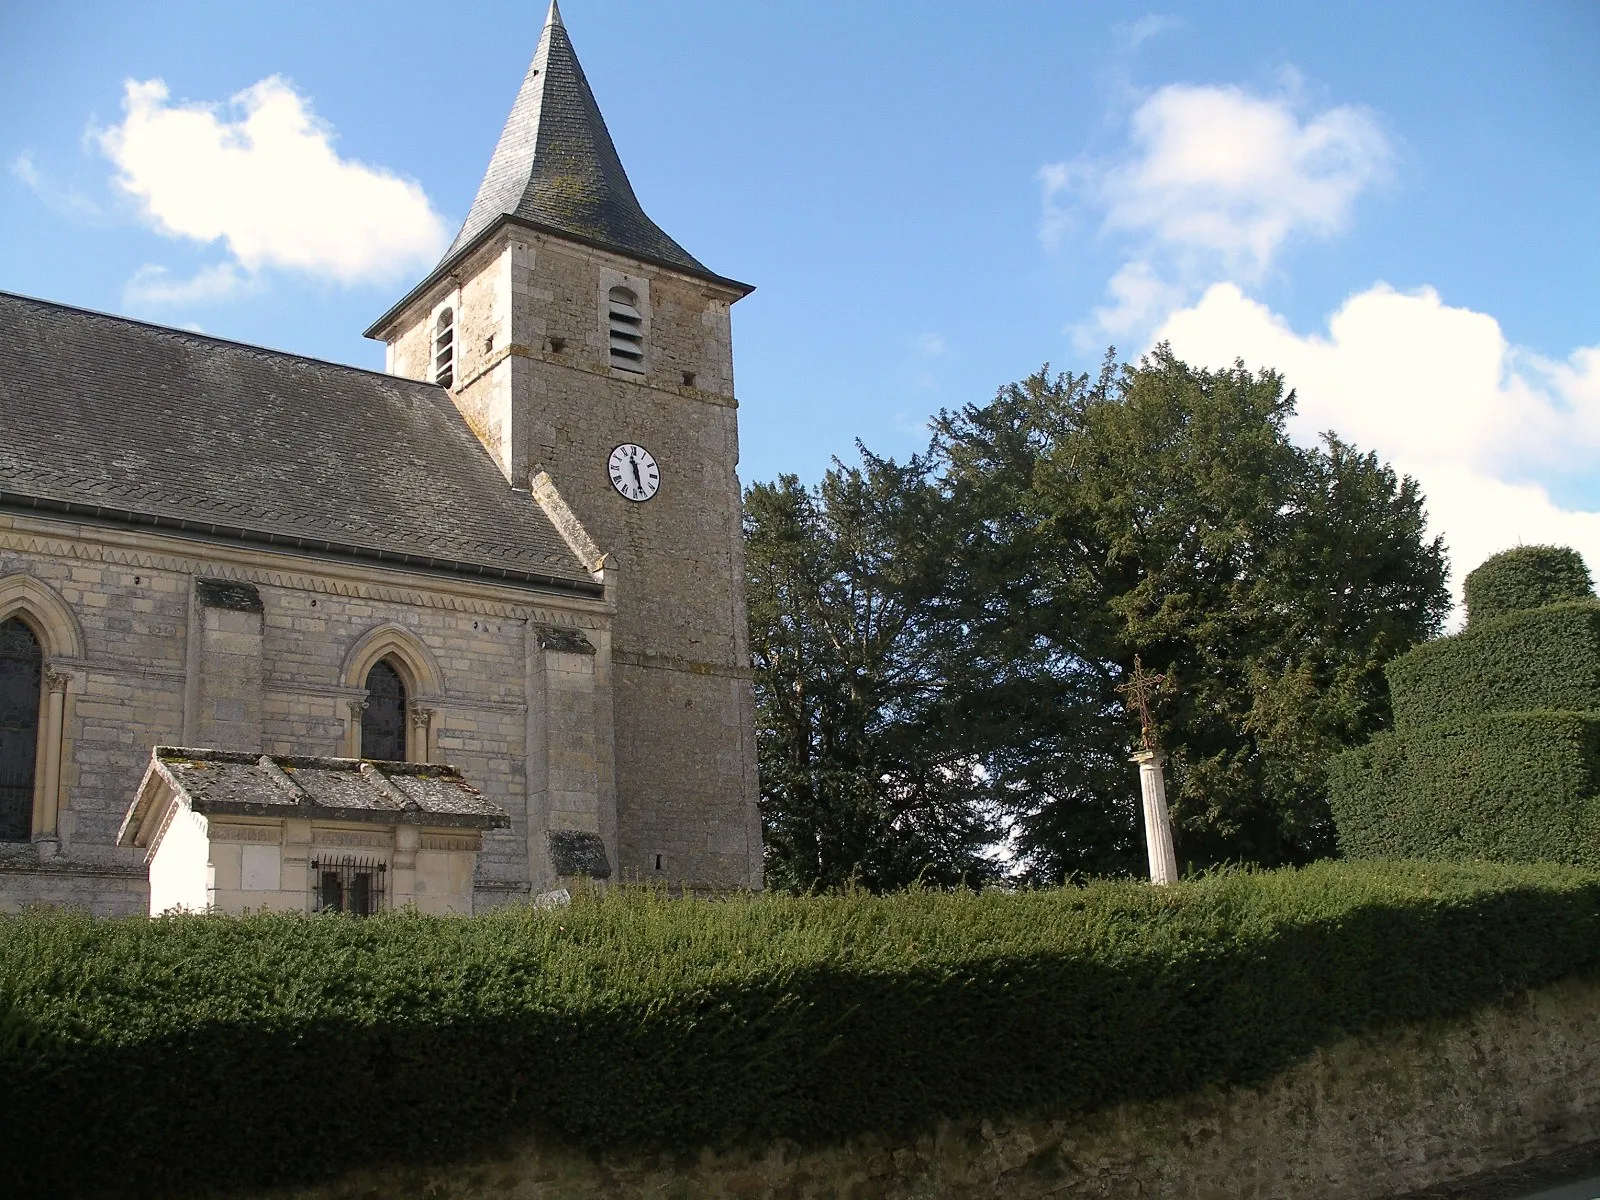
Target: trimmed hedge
[1527,577]
[1497,730]
[1513,787]
[166,1057]
[1547,658]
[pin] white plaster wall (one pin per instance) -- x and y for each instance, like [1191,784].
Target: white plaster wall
[180,872]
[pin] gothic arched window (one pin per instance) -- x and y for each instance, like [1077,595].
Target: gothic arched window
[627,331]
[444,349]
[383,723]
[21,669]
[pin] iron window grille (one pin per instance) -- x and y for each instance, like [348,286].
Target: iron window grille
[348,885]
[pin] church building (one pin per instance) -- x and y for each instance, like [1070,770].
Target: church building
[515,555]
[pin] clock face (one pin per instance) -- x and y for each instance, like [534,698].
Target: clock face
[633,472]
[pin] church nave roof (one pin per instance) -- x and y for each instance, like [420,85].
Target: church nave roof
[106,417]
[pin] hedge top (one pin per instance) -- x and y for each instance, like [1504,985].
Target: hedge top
[1526,577]
[1544,659]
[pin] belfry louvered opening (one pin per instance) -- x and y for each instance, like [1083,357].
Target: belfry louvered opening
[444,349]
[627,331]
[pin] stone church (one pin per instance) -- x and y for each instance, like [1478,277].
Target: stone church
[516,552]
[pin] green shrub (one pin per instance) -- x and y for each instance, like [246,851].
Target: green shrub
[164,1057]
[1524,578]
[1546,658]
[1513,787]
[1496,747]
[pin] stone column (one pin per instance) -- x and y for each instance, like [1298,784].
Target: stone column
[1157,825]
[404,885]
[48,768]
[295,875]
[352,733]
[418,743]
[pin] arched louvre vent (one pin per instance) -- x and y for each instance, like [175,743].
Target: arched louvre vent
[627,331]
[444,349]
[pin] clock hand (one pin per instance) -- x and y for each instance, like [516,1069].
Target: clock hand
[634,463]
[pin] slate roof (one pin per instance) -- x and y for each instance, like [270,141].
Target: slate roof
[555,164]
[225,782]
[109,418]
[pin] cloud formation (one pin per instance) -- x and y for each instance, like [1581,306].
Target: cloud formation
[154,285]
[1438,392]
[1213,183]
[67,201]
[261,175]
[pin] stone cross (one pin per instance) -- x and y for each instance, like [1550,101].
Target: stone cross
[1141,686]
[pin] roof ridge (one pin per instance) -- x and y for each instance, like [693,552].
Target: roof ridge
[199,335]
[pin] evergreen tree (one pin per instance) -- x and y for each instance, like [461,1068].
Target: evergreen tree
[858,783]
[939,644]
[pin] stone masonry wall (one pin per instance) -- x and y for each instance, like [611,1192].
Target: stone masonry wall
[140,675]
[1367,1119]
[536,383]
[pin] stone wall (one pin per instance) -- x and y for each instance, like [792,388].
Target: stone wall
[1366,1119]
[535,382]
[282,678]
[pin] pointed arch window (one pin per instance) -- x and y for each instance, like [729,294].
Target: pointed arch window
[383,723]
[21,679]
[444,349]
[627,331]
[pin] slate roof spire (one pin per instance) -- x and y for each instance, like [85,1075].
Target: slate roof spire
[555,165]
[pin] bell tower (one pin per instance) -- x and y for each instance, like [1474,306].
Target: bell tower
[592,356]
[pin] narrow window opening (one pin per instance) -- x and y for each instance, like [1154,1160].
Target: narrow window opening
[21,673]
[627,331]
[688,379]
[557,345]
[444,349]
[658,862]
[383,722]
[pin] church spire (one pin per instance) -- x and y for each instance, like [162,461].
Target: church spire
[555,165]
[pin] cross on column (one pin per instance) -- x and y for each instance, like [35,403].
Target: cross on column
[1142,685]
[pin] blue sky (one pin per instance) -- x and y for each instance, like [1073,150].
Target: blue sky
[1397,205]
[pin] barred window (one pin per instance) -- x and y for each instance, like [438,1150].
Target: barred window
[21,668]
[627,331]
[383,722]
[444,349]
[347,885]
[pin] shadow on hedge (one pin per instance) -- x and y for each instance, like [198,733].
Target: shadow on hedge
[815,1056]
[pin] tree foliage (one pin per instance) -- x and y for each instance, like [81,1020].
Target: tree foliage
[1045,539]
[845,585]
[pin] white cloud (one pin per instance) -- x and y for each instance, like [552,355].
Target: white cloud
[932,344]
[153,285]
[1136,33]
[67,201]
[1214,182]
[1139,296]
[1438,392]
[261,175]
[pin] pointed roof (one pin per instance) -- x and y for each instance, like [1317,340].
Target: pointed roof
[555,164]
[556,170]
